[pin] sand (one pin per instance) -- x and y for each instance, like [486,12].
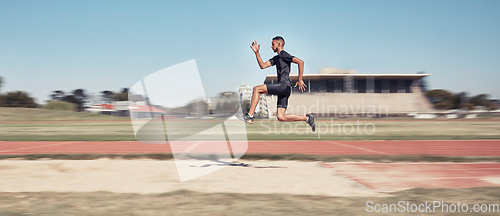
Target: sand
[153,176]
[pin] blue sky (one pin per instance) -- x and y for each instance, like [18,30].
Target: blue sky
[107,45]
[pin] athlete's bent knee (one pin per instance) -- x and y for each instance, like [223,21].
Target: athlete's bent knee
[259,89]
[282,118]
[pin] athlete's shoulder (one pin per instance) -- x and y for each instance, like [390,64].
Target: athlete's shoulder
[283,52]
[285,56]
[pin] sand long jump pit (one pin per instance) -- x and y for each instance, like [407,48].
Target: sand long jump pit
[267,187]
[154,176]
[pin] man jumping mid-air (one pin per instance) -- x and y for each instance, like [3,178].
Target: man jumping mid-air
[283,87]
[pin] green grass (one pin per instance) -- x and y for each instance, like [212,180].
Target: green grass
[195,203]
[70,131]
[111,128]
[382,130]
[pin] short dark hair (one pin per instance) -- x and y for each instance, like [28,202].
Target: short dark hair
[279,38]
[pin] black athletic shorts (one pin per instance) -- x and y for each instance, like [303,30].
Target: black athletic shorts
[283,91]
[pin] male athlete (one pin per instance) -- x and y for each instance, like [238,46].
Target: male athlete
[283,87]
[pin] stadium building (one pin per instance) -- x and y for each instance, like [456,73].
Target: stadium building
[343,93]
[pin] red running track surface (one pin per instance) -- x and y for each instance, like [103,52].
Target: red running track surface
[320,147]
[402,176]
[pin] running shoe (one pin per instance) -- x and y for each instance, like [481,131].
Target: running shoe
[311,121]
[246,118]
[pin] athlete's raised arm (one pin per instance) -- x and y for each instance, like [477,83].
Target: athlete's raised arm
[255,47]
[300,82]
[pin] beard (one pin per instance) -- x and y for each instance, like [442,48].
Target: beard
[275,49]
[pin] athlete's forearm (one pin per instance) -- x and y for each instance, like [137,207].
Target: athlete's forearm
[259,60]
[300,63]
[301,69]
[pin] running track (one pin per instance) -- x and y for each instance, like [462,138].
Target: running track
[402,176]
[320,147]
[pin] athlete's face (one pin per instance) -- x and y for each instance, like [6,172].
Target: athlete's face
[275,45]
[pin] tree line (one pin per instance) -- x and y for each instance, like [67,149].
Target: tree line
[440,98]
[75,100]
[79,97]
[16,98]
[445,100]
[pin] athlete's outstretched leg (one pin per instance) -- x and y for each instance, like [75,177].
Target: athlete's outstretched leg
[309,118]
[257,90]
[289,117]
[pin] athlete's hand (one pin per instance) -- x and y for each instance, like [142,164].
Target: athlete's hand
[302,86]
[255,47]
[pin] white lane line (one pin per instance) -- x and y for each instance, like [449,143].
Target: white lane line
[358,148]
[33,147]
